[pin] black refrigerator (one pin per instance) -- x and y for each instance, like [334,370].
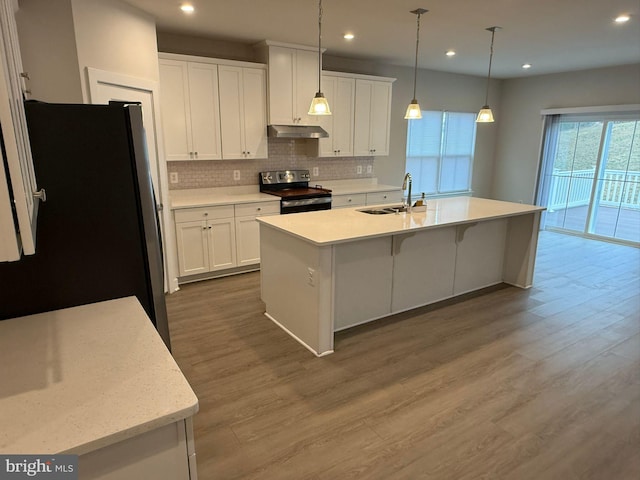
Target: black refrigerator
[98,233]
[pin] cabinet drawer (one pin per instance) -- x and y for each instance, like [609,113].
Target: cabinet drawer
[354,200]
[203,213]
[257,208]
[377,198]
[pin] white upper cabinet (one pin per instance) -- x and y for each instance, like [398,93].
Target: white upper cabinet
[372,113]
[190,110]
[293,82]
[340,94]
[18,186]
[243,112]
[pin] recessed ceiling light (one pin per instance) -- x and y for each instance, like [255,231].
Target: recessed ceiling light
[526,66]
[450,53]
[622,18]
[187,8]
[349,36]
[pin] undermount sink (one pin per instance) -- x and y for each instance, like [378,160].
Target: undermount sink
[384,210]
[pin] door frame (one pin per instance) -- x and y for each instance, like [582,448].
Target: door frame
[98,77]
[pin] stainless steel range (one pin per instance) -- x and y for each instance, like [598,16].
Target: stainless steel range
[292,186]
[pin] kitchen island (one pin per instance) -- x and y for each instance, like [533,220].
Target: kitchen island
[325,271]
[96,381]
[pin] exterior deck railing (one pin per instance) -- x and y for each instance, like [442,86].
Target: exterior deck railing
[572,188]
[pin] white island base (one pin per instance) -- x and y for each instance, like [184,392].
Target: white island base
[326,271]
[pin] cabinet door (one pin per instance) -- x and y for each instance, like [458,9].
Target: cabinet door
[19,178]
[423,267]
[222,243]
[281,85]
[379,122]
[306,85]
[340,93]
[255,112]
[205,111]
[480,256]
[247,240]
[231,112]
[175,110]
[362,281]
[362,122]
[352,200]
[380,198]
[193,249]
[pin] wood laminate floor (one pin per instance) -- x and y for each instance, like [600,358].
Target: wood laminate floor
[514,384]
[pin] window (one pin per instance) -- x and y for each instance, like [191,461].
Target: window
[440,152]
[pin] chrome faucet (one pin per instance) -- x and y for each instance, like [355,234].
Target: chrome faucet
[407,179]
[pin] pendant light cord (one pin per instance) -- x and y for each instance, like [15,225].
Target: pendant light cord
[415,70]
[319,43]
[493,34]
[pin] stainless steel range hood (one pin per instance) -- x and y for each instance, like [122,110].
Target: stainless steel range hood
[296,131]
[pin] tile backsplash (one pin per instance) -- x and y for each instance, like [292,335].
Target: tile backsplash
[284,154]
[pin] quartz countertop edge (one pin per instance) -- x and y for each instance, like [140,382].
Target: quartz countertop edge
[344,225]
[79,379]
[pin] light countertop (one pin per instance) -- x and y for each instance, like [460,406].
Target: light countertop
[201,197]
[79,379]
[348,224]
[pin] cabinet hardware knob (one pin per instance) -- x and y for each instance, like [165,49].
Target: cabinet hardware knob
[259,209]
[204,228]
[206,213]
[209,227]
[40,195]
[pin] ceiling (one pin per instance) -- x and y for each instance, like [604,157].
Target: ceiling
[552,35]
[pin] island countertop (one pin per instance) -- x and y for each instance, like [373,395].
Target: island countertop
[328,227]
[82,378]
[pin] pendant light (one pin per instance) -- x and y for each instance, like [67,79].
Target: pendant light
[413,110]
[319,104]
[486,115]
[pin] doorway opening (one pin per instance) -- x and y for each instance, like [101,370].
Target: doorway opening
[590,175]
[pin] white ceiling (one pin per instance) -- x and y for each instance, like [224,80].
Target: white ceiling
[552,35]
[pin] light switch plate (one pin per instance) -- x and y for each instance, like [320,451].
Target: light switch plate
[173,177]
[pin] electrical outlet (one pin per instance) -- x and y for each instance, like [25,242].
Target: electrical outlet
[369,168]
[359,169]
[173,177]
[310,278]
[236,175]
[316,171]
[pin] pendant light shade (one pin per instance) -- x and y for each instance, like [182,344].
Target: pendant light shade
[319,104]
[413,110]
[486,115]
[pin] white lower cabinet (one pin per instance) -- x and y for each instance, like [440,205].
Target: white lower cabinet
[221,237]
[380,198]
[385,275]
[206,239]
[423,267]
[248,230]
[480,255]
[363,278]
[351,200]
[166,453]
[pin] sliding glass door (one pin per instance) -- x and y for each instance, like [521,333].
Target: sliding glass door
[590,180]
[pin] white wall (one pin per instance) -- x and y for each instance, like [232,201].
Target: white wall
[48,48]
[113,36]
[519,135]
[59,39]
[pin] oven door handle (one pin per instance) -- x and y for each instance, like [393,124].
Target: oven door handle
[305,201]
